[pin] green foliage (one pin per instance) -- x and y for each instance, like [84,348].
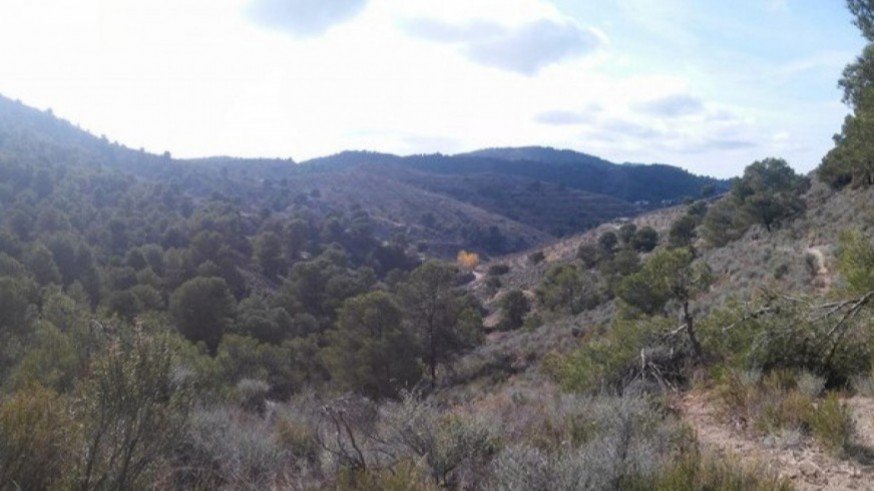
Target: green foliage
[667,275]
[723,223]
[42,265]
[269,254]
[15,298]
[856,262]
[832,424]
[608,241]
[645,239]
[202,309]
[682,231]
[589,254]
[631,350]
[618,266]
[39,440]
[514,305]
[779,402]
[857,77]
[863,11]
[404,476]
[626,233]
[768,192]
[694,470]
[795,334]
[371,350]
[565,288]
[443,316]
[51,360]
[132,411]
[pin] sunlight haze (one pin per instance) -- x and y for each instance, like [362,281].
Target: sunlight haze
[706,85]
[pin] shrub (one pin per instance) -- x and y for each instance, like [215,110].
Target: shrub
[223,448]
[565,288]
[792,333]
[493,283]
[832,424]
[696,471]
[514,305]
[589,254]
[536,257]
[133,412]
[38,440]
[498,269]
[632,350]
[781,402]
[404,476]
[645,239]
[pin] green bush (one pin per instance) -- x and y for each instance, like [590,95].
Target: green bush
[632,350]
[694,471]
[780,401]
[514,305]
[39,440]
[832,424]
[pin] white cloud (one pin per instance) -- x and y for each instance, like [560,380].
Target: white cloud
[525,48]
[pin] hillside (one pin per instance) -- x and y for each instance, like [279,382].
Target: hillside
[294,309]
[442,204]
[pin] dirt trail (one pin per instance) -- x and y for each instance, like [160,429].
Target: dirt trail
[822,277]
[808,467]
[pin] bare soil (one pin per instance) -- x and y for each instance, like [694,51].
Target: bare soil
[808,467]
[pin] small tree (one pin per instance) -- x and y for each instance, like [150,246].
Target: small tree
[565,288]
[645,239]
[856,263]
[769,192]
[626,233]
[133,412]
[371,350]
[202,309]
[682,231]
[608,242]
[722,223]
[514,305]
[588,254]
[668,275]
[269,255]
[435,308]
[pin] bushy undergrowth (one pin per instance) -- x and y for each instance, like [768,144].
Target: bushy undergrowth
[777,332]
[641,350]
[707,472]
[783,401]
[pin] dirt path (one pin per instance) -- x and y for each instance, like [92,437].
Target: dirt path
[822,277]
[808,467]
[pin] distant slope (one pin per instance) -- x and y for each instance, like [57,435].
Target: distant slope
[493,201]
[631,182]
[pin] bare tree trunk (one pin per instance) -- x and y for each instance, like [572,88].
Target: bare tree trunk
[690,331]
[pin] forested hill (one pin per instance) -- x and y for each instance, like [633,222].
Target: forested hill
[492,201]
[653,183]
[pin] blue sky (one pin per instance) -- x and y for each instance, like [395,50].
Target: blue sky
[708,85]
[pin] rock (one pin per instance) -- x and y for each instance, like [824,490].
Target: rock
[808,468]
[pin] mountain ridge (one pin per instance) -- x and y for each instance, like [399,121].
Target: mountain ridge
[496,198]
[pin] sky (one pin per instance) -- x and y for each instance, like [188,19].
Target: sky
[708,85]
